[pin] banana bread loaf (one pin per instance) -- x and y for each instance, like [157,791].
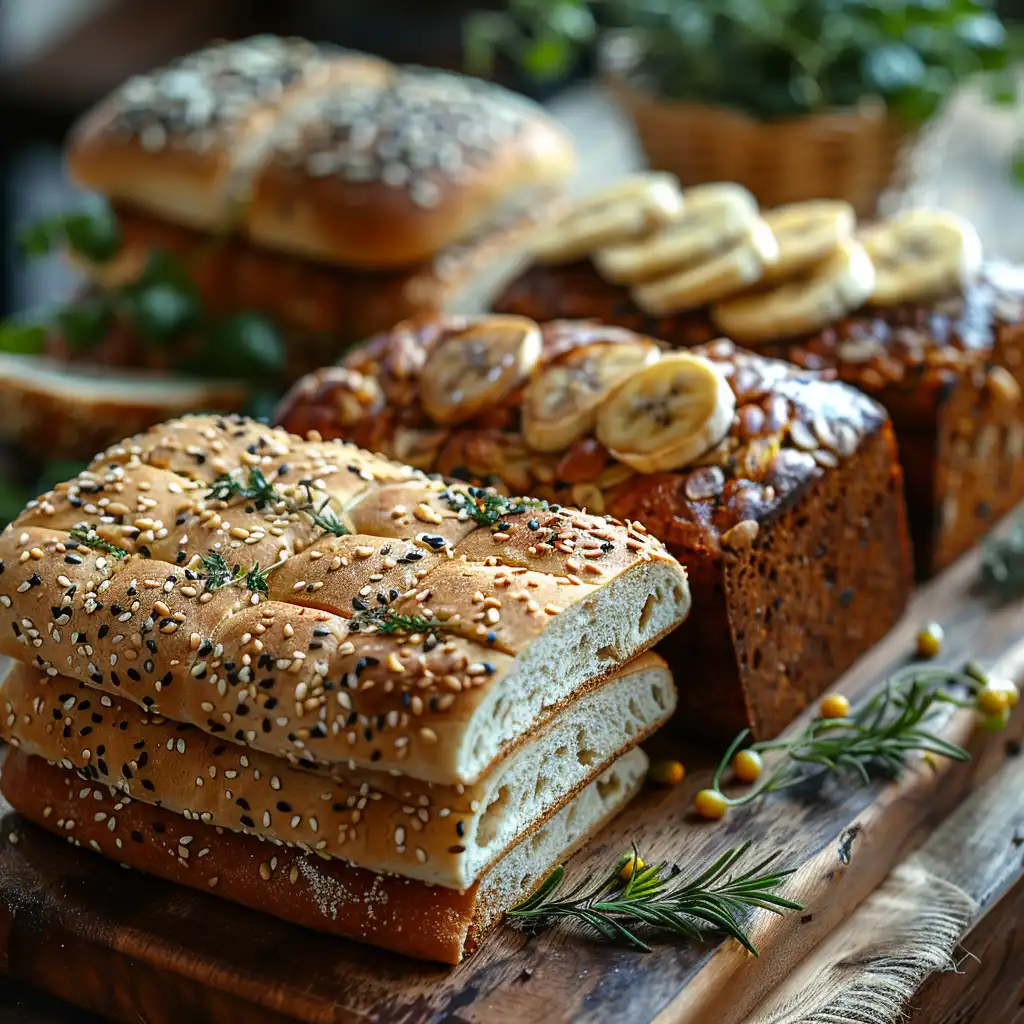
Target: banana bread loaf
[778,490]
[940,344]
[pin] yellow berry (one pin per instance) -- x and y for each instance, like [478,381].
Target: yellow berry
[709,803]
[1006,687]
[666,773]
[929,641]
[993,700]
[835,705]
[626,871]
[997,722]
[747,765]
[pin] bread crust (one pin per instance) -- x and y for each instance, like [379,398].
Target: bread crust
[400,914]
[374,819]
[182,141]
[804,483]
[53,410]
[383,174]
[331,679]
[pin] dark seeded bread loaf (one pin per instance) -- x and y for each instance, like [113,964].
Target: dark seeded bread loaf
[425,921]
[792,529]
[950,373]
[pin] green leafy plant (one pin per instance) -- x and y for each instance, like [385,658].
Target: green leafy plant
[161,306]
[770,58]
[660,897]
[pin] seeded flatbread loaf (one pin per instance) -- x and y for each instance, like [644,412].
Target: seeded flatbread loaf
[408,916]
[446,835]
[195,570]
[325,153]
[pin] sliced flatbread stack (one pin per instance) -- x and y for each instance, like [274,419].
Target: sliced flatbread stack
[370,682]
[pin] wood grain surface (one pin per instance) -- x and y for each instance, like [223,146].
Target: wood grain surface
[135,948]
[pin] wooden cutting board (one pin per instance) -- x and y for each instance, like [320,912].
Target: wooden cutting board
[134,948]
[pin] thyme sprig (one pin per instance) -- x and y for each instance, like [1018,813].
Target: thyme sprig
[382,619]
[487,507]
[661,897]
[259,490]
[216,573]
[87,536]
[876,737]
[1002,561]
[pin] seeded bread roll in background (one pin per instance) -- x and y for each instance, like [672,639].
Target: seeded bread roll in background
[380,173]
[366,599]
[425,921]
[182,141]
[445,835]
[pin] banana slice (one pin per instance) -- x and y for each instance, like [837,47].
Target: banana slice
[667,414]
[560,405]
[713,217]
[474,369]
[838,285]
[734,270]
[922,254]
[807,233]
[631,207]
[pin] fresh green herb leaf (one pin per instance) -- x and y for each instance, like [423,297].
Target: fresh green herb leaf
[876,736]
[487,507]
[86,323]
[262,492]
[216,573]
[246,345]
[162,311]
[662,898]
[93,234]
[87,536]
[22,338]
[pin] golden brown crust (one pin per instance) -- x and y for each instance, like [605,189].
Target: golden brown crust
[163,623]
[180,141]
[790,428]
[371,818]
[53,411]
[404,915]
[382,174]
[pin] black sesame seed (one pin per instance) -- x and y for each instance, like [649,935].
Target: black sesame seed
[136,835]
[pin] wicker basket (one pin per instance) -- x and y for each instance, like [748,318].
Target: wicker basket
[852,155]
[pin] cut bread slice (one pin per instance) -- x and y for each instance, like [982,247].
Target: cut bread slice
[445,835]
[424,638]
[401,914]
[73,410]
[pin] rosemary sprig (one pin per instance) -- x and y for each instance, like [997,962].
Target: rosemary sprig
[87,536]
[877,736]
[661,897]
[1002,561]
[259,490]
[216,573]
[487,507]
